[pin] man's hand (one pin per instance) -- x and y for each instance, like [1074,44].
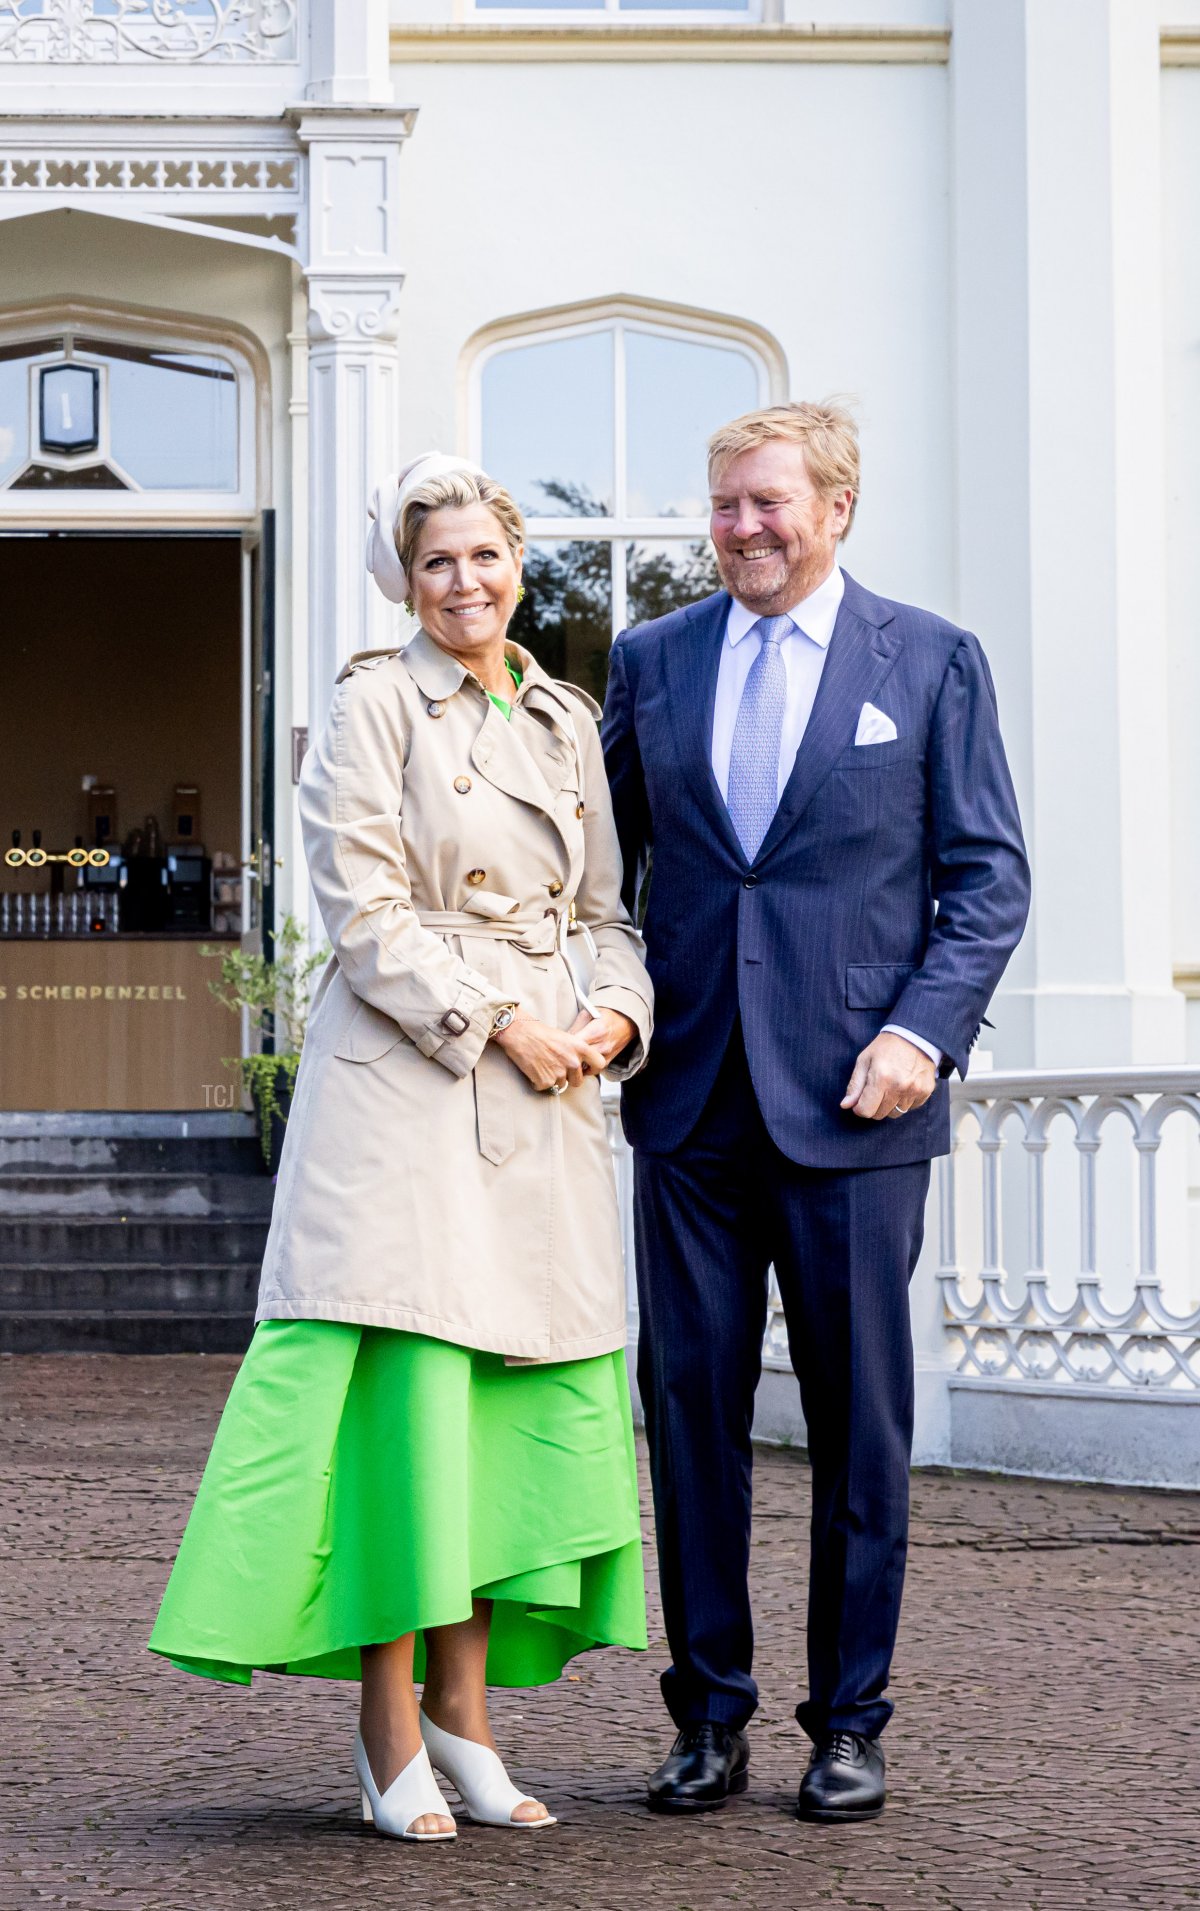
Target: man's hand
[890,1077]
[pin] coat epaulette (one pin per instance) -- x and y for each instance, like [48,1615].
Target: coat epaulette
[366,660]
[586,699]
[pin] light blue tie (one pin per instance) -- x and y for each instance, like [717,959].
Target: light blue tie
[754,756]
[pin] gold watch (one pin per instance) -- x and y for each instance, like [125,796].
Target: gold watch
[504,1018]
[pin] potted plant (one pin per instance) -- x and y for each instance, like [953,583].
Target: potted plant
[274,991]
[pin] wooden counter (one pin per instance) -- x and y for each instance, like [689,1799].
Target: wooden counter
[113,1023]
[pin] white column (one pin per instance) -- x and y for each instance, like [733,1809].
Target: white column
[354,282]
[1060,468]
[348,52]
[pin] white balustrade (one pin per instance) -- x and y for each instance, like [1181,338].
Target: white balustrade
[1002,1322]
[170,32]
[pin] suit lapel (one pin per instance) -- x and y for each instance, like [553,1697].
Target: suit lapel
[691,661]
[861,655]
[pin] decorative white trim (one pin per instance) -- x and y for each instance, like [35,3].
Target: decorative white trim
[128,32]
[623,41]
[126,509]
[207,169]
[342,308]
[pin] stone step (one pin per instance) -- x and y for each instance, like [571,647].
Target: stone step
[56,1153]
[109,1240]
[94,1191]
[127,1332]
[192,1287]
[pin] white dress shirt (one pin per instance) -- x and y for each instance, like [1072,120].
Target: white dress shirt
[803,650]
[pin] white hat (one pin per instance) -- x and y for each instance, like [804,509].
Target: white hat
[383,559]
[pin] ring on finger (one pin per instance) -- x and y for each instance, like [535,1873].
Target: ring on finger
[896,1111]
[558,1088]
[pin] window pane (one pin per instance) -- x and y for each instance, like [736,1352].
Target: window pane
[566,618]
[678,393]
[663,577]
[548,425]
[684,6]
[173,416]
[14,416]
[540,6]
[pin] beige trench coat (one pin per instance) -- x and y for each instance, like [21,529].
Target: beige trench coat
[425,1184]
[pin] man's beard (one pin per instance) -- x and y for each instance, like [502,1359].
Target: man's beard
[768,582]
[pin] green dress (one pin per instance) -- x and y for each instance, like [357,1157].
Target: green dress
[365,1483]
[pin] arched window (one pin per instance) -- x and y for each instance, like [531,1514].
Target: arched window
[124,421]
[599,428]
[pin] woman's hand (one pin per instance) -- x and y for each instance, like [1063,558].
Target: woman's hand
[551,1057]
[608,1031]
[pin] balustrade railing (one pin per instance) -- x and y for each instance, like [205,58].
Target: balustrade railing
[165,33]
[1011,1329]
[1000,1318]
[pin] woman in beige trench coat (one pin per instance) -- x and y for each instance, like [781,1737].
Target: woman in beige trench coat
[425,1468]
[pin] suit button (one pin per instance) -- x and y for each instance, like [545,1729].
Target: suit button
[436,709]
[462,784]
[555,887]
[579,809]
[476,876]
[749,882]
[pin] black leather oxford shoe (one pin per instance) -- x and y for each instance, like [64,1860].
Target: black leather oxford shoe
[844,1780]
[707,1764]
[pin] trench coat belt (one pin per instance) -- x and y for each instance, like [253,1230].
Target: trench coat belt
[497,1083]
[532,935]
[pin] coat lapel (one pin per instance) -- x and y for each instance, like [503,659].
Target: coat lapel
[692,658]
[531,768]
[862,651]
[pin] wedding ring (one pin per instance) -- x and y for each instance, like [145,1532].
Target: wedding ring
[558,1088]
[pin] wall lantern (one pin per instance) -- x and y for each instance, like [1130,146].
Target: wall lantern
[69,409]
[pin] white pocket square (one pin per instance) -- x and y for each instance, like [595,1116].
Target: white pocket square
[874,726]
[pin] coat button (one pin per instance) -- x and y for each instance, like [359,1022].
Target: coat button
[475,877]
[555,887]
[462,784]
[436,709]
[579,809]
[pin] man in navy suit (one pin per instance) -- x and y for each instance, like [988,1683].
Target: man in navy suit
[838,880]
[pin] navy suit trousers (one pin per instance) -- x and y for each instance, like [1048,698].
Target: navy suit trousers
[711,1217]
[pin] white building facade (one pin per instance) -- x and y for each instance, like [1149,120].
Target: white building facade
[571,240]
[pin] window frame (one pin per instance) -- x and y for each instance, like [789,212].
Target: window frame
[619,317]
[68,320]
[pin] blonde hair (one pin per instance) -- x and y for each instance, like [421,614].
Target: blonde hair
[456,491]
[826,431]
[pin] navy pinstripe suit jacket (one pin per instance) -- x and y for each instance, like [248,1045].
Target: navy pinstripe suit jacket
[892,885]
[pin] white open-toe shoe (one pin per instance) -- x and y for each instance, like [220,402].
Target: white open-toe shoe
[478,1775]
[413,1794]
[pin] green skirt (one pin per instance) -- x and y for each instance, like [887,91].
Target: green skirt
[364,1484]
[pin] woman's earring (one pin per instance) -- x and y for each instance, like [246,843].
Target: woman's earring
[520,593]
[408,605]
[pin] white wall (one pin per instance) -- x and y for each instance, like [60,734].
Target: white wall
[731,189]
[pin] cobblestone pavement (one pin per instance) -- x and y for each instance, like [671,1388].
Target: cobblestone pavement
[1045,1752]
